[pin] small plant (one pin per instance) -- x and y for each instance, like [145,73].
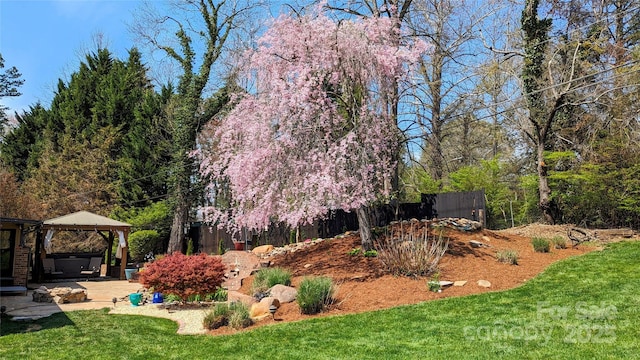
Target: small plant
[235,315]
[541,245]
[315,294]
[370,253]
[354,252]
[507,256]
[172,298]
[434,283]
[559,242]
[189,247]
[239,315]
[194,298]
[217,317]
[219,295]
[268,277]
[221,249]
[411,250]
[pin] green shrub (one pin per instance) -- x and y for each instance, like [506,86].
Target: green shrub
[541,244]
[315,294]
[268,277]
[354,252]
[507,256]
[143,242]
[559,242]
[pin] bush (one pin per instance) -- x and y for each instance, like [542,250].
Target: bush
[541,244]
[559,242]
[410,251]
[315,294]
[507,256]
[143,242]
[239,315]
[268,277]
[236,315]
[217,317]
[184,276]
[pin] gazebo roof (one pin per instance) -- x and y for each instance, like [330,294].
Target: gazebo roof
[84,220]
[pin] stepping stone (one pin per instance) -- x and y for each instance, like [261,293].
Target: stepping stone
[459,283]
[484,283]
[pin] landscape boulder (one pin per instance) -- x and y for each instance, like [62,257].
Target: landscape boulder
[262,310]
[262,250]
[284,294]
[64,295]
[243,298]
[42,295]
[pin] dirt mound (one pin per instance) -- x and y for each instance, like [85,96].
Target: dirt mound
[364,285]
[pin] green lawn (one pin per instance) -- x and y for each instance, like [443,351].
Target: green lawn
[583,307]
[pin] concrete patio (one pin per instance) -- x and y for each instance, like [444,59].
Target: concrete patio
[99,295]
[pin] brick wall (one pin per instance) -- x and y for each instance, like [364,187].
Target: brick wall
[21,265]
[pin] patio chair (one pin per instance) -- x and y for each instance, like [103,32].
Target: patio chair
[49,267]
[93,268]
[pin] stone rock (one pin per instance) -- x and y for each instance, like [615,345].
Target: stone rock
[243,298]
[284,294]
[270,300]
[264,249]
[73,296]
[306,266]
[477,244]
[484,283]
[444,283]
[259,311]
[459,283]
[57,291]
[486,239]
[42,296]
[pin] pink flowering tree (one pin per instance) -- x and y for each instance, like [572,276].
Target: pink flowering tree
[316,131]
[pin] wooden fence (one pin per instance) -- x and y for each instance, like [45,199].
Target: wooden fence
[469,205]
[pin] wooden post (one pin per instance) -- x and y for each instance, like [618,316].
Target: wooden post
[109,253]
[123,263]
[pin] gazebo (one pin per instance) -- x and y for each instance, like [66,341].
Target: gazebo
[85,221]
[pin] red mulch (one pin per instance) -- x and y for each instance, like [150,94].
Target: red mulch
[365,286]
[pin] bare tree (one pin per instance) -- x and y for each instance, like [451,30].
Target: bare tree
[445,88]
[201,32]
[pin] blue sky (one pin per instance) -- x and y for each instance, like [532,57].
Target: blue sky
[45,40]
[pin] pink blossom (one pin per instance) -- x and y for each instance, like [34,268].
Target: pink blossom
[316,134]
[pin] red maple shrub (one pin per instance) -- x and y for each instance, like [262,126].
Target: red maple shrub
[184,275]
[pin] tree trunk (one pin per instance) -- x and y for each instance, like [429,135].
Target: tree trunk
[364,224]
[176,239]
[543,187]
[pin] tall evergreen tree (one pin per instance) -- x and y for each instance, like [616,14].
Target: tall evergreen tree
[10,82]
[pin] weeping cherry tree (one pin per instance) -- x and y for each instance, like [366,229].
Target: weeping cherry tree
[315,132]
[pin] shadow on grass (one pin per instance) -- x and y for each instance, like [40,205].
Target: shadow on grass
[56,320]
